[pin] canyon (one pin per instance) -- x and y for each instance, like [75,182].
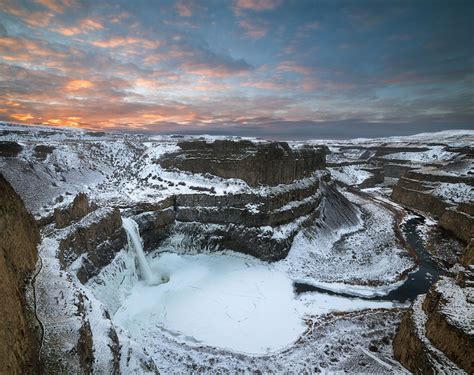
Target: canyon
[127,253]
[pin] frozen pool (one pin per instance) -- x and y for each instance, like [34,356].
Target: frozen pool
[225,300]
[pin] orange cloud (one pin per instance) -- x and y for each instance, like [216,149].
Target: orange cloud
[22,116]
[31,18]
[119,41]
[78,84]
[84,26]
[10,103]
[117,18]
[66,121]
[21,49]
[205,70]
[55,6]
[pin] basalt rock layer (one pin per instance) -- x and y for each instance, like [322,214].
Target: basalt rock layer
[260,225]
[436,333]
[95,240]
[79,208]
[256,163]
[19,237]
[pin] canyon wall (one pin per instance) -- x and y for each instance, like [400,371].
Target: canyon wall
[264,163]
[436,334]
[261,222]
[19,237]
[416,190]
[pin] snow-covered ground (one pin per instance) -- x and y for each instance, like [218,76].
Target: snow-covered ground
[435,154]
[456,138]
[223,311]
[223,300]
[454,193]
[350,174]
[360,257]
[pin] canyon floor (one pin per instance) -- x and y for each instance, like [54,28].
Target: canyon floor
[240,254]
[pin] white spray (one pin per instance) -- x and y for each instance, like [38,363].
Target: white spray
[134,242]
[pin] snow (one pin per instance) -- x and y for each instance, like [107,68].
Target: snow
[454,193]
[65,306]
[458,138]
[438,360]
[348,256]
[457,304]
[216,305]
[434,154]
[350,174]
[226,300]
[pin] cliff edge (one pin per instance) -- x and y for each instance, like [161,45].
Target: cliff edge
[19,237]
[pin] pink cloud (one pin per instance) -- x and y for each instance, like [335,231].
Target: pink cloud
[257,5]
[56,6]
[253,30]
[120,42]
[184,9]
[292,66]
[83,27]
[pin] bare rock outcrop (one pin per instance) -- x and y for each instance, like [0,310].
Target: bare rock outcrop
[468,257]
[79,208]
[262,225]
[459,221]
[256,163]
[436,334]
[450,311]
[155,226]
[10,149]
[420,200]
[19,237]
[95,239]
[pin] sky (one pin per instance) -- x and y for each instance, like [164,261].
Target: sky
[292,69]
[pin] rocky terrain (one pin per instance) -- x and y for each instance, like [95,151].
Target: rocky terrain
[354,233]
[436,335]
[18,240]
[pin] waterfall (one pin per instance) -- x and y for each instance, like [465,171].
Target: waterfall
[135,243]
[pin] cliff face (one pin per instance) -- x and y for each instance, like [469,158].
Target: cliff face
[436,334]
[245,222]
[96,239]
[257,164]
[80,207]
[19,237]
[441,193]
[459,221]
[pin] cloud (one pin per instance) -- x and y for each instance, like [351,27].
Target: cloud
[265,85]
[78,84]
[257,5]
[172,65]
[254,30]
[31,18]
[294,67]
[184,9]
[125,41]
[22,116]
[84,26]
[56,6]
[202,61]
[216,68]
[24,50]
